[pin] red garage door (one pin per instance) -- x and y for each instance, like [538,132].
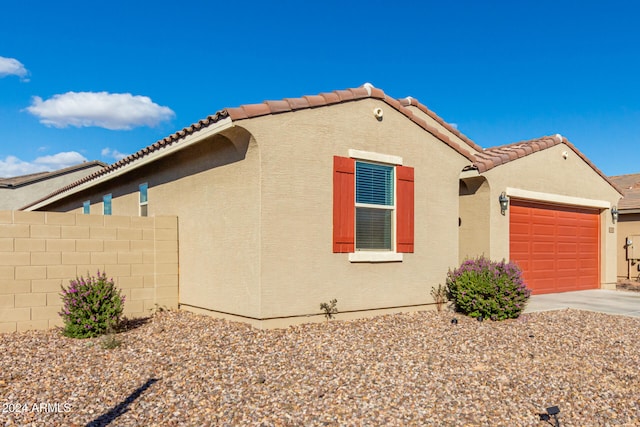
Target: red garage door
[557,247]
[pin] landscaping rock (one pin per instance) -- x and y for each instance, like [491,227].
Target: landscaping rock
[395,370]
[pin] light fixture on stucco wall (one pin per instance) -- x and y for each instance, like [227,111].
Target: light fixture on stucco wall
[504,202]
[614,214]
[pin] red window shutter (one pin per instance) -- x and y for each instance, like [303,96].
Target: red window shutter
[343,204]
[404,208]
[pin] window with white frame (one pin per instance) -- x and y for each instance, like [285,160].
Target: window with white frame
[144,199]
[106,204]
[375,207]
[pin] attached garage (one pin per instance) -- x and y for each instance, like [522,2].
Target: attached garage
[557,247]
[544,205]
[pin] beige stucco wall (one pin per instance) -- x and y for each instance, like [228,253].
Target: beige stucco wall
[628,226]
[255,215]
[548,172]
[213,189]
[40,251]
[298,269]
[474,232]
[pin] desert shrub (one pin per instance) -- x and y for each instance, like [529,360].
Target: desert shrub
[488,289]
[91,306]
[440,296]
[329,308]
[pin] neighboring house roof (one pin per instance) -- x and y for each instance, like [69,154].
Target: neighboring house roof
[265,108]
[630,185]
[19,181]
[495,156]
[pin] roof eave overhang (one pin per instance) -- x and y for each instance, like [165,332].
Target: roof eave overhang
[189,140]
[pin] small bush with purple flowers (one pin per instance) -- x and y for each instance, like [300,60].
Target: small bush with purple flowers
[488,289]
[91,306]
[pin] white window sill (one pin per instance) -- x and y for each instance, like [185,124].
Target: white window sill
[367,256]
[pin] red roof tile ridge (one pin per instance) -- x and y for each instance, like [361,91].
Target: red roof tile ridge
[247,111]
[410,101]
[524,148]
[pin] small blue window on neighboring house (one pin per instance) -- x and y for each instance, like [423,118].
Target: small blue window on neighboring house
[86,207]
[106,204]
[144,199]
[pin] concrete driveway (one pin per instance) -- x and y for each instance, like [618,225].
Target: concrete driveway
[605,301]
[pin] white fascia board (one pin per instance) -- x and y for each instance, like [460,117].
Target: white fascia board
[556,198]
[189,140]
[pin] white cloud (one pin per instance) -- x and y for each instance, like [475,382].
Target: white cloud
[61,160]
[114,111]
[13,166]
[12,67]
[112,154]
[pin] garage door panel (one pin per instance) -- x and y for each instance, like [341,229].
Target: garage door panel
[543,247]
[567,230]
[543,230]
[567,248]
[557,247]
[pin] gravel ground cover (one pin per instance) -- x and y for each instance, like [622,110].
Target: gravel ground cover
[181,369]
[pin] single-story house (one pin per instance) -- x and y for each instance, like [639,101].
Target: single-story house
[357,196]
[17,191]
[628,226]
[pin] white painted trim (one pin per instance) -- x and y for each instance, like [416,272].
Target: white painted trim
[372,256]
[375,157]
[556,198]
[152,157]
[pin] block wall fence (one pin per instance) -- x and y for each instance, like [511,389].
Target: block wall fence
[40,251]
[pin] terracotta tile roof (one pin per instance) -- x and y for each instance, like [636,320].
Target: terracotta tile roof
[22,180]
[409,101]
[271,108]
[495,156]
[630,186]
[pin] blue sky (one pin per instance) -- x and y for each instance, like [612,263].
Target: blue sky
[98,80]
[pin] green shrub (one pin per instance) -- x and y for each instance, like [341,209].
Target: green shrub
[90,306]
[491,290]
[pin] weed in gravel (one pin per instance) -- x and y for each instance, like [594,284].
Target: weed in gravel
[110,341]
[440,296]
[329,308]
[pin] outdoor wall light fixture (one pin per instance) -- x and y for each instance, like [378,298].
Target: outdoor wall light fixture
[504,202]
[614,214]
[551,412]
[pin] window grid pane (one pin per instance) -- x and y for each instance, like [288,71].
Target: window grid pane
[373,229]
[374,184]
